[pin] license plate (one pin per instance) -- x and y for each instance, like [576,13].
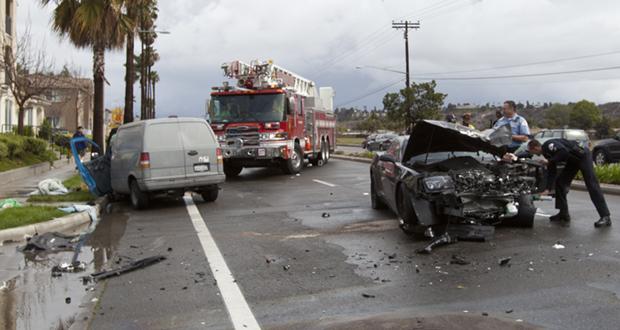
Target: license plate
[201,167]
[261,152]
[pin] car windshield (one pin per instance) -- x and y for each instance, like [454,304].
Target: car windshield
[435,157]
[578,135]
[242,108]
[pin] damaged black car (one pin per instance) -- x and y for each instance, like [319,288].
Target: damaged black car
[446,177]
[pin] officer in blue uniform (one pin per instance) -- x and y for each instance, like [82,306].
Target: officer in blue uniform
[576,158]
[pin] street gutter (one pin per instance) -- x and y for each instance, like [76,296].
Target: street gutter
[610,189]
[62,224]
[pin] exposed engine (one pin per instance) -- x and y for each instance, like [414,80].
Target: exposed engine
[495,180]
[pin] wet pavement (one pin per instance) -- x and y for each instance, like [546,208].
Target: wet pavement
[33,299]
[309,255]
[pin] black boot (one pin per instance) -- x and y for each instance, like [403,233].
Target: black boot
[560,217]
[603,222]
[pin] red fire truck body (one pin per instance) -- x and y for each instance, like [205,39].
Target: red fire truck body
[272,118]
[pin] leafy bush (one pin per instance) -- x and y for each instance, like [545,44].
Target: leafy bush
[45,131]
[4,150]
[35,146]
[61,140]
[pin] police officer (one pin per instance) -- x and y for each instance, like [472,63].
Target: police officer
[577,158]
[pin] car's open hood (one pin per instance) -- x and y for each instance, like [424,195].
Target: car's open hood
[439,136]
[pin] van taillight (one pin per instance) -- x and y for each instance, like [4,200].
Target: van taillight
[220,158]
[145,160]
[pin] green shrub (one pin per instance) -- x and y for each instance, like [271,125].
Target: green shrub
[4,150]
[45,131]
[35,146]
[15,148]
[28,131]
[606,174]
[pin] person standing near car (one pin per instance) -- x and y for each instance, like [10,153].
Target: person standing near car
[467,121]
[80,146]
[577,158]
[518,125]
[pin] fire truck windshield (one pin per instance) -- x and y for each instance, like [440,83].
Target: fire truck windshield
[242,108]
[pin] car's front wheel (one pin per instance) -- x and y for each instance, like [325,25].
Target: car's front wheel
[408,220]
[600,157]
[375,201]
[526,213]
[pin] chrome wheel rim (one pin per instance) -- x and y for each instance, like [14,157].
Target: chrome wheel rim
[600,158]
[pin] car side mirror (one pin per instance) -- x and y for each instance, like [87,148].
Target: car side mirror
[387,158]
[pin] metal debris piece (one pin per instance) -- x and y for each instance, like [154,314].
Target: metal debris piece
[68,300]
[558,246]
[127,268]
[443,239]
[456,260]
[366,295]
[505,261]
[325,215]
[286,267]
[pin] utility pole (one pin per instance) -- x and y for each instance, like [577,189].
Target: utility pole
[406,25]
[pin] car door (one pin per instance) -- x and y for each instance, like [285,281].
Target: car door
[165,151]
[389,173]
[614,149]
[200,149]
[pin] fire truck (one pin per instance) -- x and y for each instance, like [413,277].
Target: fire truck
[272,117]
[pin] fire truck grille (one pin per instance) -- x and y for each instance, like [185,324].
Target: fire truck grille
[249,135]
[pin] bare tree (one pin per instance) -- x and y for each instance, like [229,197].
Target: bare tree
[29,72]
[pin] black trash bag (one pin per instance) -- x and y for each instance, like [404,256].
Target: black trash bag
[99,169]
[49,242]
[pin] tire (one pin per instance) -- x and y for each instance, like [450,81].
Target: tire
[294,164]
[327,152]
[526,215]
[210,194]
[375,201]
[600,157]
[139,199]
[409,223]
[231,170]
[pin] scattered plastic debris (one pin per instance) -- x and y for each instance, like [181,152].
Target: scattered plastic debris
[9,203]
[325,215]
[50,187]
[444,239]
[558,246]
[366,295]
[286,267]
[68,300]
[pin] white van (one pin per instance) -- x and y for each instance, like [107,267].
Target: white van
[168,155]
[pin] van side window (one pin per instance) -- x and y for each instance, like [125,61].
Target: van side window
[196,135]
[162,136]
[129,138]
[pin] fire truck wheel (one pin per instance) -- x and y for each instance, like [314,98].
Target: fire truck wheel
[327,153]
[294,164]
[232,170]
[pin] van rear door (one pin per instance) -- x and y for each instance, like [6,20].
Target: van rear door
[200,147]
[165,150]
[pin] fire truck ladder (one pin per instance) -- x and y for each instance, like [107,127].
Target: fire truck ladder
[267,75]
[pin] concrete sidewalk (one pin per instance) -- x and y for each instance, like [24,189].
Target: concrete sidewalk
[19,189]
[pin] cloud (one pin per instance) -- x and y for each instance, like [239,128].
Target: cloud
[325,40]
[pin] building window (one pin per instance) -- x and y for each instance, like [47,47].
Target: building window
[8,19]
[29,116]
[8,116]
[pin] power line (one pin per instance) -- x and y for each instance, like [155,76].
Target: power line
[525,64]
[406,26]
[363,96]
[523,75]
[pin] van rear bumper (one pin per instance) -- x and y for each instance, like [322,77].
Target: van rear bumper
[184,183]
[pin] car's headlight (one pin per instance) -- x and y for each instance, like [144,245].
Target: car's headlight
[438,183]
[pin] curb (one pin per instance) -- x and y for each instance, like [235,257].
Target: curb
[55,225]
[609,189]
[29,171]
[348,145]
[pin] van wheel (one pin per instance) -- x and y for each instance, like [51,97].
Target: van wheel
[139,199]
[210,194]
[232,170]
[294,164]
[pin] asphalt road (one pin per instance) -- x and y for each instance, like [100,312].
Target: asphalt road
[308,254]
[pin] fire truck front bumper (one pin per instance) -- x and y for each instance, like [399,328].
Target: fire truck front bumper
[265,151]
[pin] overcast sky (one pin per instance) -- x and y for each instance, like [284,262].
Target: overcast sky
[325,40]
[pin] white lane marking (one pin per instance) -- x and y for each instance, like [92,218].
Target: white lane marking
[325,183]
[238,309]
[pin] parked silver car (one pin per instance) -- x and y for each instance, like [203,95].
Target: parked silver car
[169,155]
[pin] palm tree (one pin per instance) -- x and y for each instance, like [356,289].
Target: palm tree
[154,78]
[132,8]
[96,24]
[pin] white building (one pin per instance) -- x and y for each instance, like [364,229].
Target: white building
[8,42]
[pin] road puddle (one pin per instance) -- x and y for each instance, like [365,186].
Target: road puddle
[30,298]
